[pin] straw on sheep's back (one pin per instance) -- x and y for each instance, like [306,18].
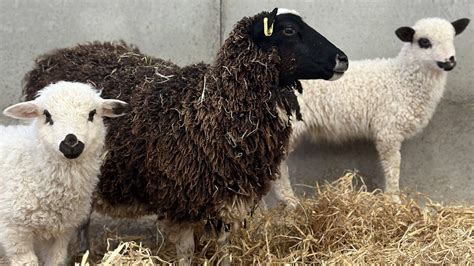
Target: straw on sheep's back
[202,142]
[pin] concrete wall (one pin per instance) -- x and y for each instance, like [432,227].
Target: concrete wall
[439,161]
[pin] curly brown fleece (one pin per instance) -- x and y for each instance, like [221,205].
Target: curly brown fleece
[202,142]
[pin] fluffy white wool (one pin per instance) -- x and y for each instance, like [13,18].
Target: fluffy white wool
[384,100]
[44,196]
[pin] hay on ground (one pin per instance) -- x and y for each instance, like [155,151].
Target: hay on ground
[343,223]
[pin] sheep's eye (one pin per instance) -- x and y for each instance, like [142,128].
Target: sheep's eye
[289,31]
[49,120]
[91,115]
[424,43]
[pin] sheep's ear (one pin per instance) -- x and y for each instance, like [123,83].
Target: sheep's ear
[272,16]
[113,108]
[257,29]
[460,25]
[405,34]
[24,110]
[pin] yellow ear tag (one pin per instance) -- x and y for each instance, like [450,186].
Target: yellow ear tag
[266,30]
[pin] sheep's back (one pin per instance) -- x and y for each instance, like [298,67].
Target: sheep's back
[121,72]
[153,160]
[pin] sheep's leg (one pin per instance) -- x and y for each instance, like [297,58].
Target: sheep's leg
[19,247]
[83,235]
[182,236]
[57,252]
[223,241]
[390,158]
[282,187]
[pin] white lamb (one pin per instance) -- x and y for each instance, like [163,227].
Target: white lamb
[49,169]
[384,100]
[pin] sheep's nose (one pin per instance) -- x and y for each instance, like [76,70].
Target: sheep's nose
[70,140]
[342,58]
[342,63]
[448,65]
[71,147]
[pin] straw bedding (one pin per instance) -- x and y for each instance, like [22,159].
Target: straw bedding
[343,223]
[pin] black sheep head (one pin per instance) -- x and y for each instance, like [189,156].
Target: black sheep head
[305,54]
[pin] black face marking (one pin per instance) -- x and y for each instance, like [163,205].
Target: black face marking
[91,115]
[49,120]
[304,53]
[424,43]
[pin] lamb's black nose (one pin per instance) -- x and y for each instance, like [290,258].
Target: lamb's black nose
[448,65]
[71,147]
[70,140]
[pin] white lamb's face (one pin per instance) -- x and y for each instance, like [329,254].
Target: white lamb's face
[69,118]
[431,41]
[70,131]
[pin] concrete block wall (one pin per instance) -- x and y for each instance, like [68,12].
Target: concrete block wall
[439,161]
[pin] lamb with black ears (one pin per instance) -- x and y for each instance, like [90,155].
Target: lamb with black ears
[204,141]
[386,100]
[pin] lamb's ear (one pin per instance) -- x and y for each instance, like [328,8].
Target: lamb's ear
[25,110]
[460,25]
[405,34]
[113,108]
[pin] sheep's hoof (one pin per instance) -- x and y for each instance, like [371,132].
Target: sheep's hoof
[396,199]
[290,203]
[184,261]
[225,261]
[25,259]
[263,205]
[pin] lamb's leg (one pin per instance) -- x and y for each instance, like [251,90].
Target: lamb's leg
[57,252]
[282,187]
[182,236]
[19,247]
[390,157]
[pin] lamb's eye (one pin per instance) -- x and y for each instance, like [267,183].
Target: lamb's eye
[424,43]
[49,120]
[91,115]
[289,31]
